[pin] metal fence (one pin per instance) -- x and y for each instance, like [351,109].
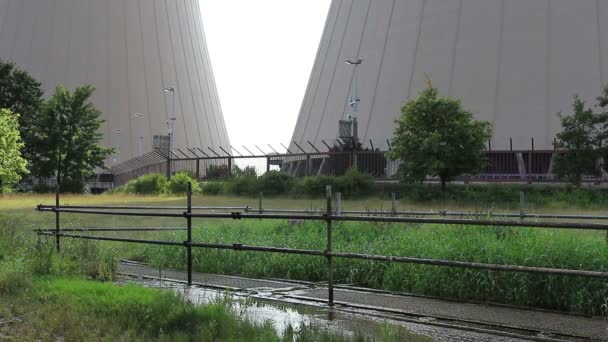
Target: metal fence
[330,215]
[501,166]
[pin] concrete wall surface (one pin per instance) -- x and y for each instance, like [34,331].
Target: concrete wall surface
[516,63]
[130,50]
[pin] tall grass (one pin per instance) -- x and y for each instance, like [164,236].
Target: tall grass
[523,246]
[53,299]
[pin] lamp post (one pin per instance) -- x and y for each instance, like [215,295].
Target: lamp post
[170,128]
[353,100]
[117,159]
[139,138]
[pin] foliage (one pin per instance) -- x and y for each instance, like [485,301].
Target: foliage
[68,137]
[242,185]
[178,184]
[275,183]
[12,165]
[355,183]
[150,184]
[248,171]
[580,140]
[524,246]
[211,188]
[21,93]
[215,172]
[438,137]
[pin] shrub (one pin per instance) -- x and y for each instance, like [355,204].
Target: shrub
[314,185]
[211,188]
[217,172]
[150,184]
[355,183]
[275,183]
[179,183]
[243,185]
[247,171]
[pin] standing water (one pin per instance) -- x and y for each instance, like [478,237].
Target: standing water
[289,316]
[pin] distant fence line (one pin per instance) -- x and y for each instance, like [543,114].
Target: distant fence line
[502,166]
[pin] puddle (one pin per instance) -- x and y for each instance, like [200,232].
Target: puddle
[263,306]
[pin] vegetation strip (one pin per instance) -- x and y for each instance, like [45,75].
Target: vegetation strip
[436,262]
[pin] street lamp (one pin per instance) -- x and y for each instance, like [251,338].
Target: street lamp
[140,138]
[353,100]
[170,128]
[171,117]
[117,159]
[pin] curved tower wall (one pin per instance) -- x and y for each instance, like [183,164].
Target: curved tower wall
[130,50]
[515,63]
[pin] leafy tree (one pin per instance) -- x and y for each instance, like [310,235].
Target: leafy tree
[437,137]
[580,140]
[68,130]
[21,94]
[12,165]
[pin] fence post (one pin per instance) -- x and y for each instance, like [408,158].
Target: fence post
[57,226]
[338,203]
[330,263]
[261,203]
[188,246]
[169,165]
[267,164]
[393,203]
[308,166]
[522,214]
[230,165]
[530,167]
[198,169]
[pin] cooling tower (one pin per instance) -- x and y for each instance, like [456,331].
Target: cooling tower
[131,51]
[515,63]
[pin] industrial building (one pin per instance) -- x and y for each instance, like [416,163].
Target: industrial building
[515,63]
[147,59]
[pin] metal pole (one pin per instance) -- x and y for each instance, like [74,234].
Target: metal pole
[169,161]
[188,246]
[393,203]
[261,203]
[198,169]
[338,203]
[57,227]
[522,214]
[330,262]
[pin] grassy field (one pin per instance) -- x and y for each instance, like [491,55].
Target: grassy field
[69,296]
[534,247]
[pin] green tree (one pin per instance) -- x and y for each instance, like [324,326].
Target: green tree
[68,130]
[436,136]
[580,140]
[12,165]
[20,93]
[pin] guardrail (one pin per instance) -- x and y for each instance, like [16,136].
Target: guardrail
[329,215]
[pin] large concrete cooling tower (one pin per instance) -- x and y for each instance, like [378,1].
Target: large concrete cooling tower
[515,63]
[130,50]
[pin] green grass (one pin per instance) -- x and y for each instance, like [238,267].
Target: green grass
[53,295]
[523,246]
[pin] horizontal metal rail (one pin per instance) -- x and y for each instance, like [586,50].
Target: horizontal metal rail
[140,207]
[386,219]
[398,259]
[372,212]
[125,229]
[107,238]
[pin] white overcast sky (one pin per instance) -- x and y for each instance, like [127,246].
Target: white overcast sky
[262,54]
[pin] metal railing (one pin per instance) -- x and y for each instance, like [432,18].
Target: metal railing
[329,215]
[501,166]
